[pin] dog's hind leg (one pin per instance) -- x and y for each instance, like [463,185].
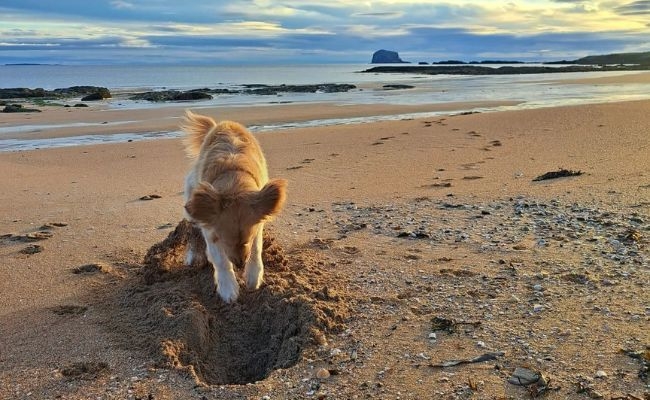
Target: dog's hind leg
[254,270]
[224,275]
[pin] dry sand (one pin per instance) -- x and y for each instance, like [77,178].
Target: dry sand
[403,245]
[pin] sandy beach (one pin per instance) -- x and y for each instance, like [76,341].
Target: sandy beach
[404,245]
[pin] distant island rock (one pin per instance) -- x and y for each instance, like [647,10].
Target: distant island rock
[386,57]
[611,62]
[605,62]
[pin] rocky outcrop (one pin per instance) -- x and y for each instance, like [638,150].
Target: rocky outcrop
[277,89]
[172,95]
[16,108]
[386,57]
[73,91]
[397,87]
[95,93]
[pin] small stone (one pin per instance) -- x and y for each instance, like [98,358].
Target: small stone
[538,308]
[601,374]
[481,344]
[433,336]
[322,373]
[538,288]
[32,249]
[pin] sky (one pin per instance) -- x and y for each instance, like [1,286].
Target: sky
[235,32]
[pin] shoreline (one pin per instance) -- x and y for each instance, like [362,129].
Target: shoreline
[124,125]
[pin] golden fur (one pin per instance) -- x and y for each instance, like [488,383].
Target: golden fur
[229,195]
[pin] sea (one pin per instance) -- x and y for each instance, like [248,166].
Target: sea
[527,91]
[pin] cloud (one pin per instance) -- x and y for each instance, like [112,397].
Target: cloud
[318,30]
[634,8]
[119,4]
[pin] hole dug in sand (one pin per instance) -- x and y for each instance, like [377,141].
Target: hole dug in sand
[174,313]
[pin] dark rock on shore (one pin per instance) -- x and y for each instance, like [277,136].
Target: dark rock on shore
[16,108]
[94,93]
[386,57]
[93,97]
[172,95]
[73,91]
[276,89]
[397,86]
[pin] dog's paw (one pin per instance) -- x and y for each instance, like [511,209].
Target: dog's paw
[254,274]
[228,290]
[253,282]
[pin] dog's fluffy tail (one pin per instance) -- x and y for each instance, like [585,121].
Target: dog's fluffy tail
[196,127]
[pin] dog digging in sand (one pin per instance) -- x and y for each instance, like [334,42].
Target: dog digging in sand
[229,196]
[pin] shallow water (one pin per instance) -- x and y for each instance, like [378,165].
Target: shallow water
[530,91]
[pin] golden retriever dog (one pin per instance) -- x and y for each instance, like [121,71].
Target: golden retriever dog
[229,196]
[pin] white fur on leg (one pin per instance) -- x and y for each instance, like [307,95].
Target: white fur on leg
[254,270]
[224,275]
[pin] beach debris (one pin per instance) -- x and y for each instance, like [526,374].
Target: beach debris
[51,225]
[482,358]
[600,374]
[524,377]
[437,185]
[36,236]
[295,167]
[535,382]
[151,197]
[449,325]
[323,373]
[557,174]
[32,249]
[84,370]
[166,226]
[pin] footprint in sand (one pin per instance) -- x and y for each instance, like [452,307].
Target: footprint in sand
[382,140]
[69,310]
[92,268]
[85,370]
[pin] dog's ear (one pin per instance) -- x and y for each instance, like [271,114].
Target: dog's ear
[204,203]
[269,201]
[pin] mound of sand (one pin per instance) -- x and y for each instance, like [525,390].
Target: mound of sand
[173,312]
